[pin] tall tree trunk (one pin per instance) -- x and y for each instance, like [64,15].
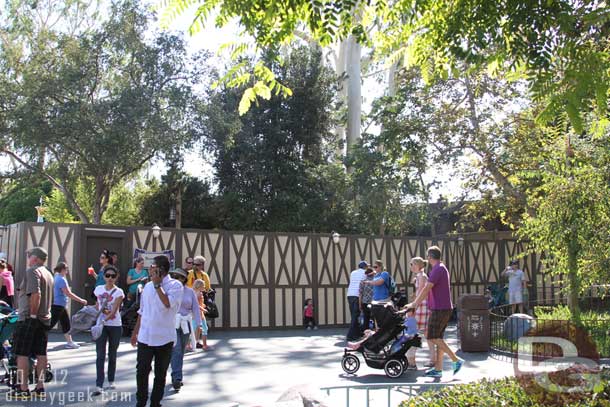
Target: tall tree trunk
[340,70]
[354,92]
[179,206]
[573,279]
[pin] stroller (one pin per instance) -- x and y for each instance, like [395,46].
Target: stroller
[129,313]
[8,361]
[378,350]
[496,292]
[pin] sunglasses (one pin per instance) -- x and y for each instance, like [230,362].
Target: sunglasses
[110,275]
[198,264]
[189,262]
[375,267]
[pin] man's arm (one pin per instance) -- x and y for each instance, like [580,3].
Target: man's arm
[34,303]
[422,296]
[67,292]
[163,296]
[134,334]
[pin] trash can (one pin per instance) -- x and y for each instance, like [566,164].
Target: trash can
[473,323]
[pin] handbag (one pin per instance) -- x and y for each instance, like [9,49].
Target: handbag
[98,328]
[212,310]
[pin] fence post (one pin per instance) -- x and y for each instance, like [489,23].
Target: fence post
[226,280]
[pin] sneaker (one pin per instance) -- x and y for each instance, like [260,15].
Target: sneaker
[433,373]
[177,384]
[429,364]
[315,328]
[412,367]
[199,345]
[98,391]
[457,365]
[72,345]
[111,386]
[430,369]
[17,394]
[308,328]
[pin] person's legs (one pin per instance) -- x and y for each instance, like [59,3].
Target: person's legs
[100,351]
[114,339]
[354,309]
[432,350]
[41,366]
[163,355]
[367,316]
[23,341]
[204,334]
[55,314]
[177,358]
[143,366]
[39,348]
[23,372]
[411,353]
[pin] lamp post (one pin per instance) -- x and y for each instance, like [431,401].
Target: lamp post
[156,231]
[336,237]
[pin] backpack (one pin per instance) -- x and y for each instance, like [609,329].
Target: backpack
[391,284]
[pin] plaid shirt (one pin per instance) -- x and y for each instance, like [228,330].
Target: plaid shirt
[366,291]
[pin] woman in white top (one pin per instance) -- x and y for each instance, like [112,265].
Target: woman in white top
[109,299]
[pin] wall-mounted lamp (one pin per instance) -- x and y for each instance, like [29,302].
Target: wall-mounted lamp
[460,241]
[156,230]
[336,237]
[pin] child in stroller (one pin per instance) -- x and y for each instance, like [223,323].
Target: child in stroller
[387,348]
[8,361]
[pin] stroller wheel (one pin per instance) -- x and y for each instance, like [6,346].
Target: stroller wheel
[350,364]
[393,368]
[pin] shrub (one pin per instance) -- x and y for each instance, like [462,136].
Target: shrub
[506,392]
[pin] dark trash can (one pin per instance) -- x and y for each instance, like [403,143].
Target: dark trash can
[473,323]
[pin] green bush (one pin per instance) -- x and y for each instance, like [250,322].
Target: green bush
[506,392]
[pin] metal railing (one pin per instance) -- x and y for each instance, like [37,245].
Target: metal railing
[589,333]
[408,389]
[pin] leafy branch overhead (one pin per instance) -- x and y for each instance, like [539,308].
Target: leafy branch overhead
[562,47]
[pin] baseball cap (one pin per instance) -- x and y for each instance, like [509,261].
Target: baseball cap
[363,264]
[514,263]
[38,252]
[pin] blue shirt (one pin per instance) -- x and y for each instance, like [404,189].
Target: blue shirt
[59,298]
[133,273]
[381,292]
[410,325]
[100,277]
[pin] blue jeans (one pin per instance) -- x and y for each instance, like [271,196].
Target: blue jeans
[354,328]
[112,336]
[178,354]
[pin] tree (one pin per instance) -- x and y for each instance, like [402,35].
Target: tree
[265,158]
[96,107]
[561,45]
[572,217]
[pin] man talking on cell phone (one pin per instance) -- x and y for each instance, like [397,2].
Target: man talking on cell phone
[155,330]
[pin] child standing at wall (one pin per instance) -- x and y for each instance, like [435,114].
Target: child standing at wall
[308,320]
[202,331]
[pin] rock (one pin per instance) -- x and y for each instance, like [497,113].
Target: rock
[301,396]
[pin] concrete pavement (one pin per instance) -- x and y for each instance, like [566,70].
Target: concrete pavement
[246,368]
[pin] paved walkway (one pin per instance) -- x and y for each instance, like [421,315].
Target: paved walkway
[245,369]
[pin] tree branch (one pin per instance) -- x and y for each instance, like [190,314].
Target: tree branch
[61,187]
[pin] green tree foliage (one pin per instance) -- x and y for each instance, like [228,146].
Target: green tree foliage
[572,216]
[93,108]
[18,202]
[562,46]
[268,161]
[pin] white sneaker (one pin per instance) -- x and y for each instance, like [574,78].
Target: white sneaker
[110,386]
[98,391]
[315,328]
[72,345]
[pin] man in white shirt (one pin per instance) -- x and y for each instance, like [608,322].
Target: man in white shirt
[516,285]
[353,296]
[155,330]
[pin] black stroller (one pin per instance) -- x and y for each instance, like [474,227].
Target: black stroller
[8,360]
[377,350]
[129,313]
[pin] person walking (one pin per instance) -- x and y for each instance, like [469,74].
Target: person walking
[516,286]
[381,295]
[353,296]
[155,330]
[422,313]
[441,310]
[59,310]
[365,297]
[188,311]
[201,330]
[35,293]
[109,299]
[7,284]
